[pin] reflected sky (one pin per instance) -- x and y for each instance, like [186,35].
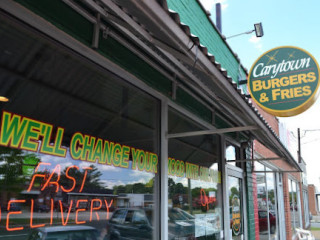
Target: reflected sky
[110,174]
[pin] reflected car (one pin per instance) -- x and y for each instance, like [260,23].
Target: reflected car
[263,221]
[65,207]
[41,208]
[64,232]
[13,207]
[136,223]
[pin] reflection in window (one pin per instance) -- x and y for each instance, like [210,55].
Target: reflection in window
[294,206]
[77,143]
[306,207]
[195,203]
[272,206]
[235,207]
[267,202]
[232,153]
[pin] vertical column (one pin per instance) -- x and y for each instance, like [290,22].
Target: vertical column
[286,198]
[252,198]
[164,172]
[225,197]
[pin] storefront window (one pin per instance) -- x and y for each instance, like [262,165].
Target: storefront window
[235,207]
[195,192]
[267,202]
[306,208]
[79,146]
[272,205]
[232,153]
[294,205]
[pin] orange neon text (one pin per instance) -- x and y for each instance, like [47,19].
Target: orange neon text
[56,173]
[80,206]
[205,200]
[12,213]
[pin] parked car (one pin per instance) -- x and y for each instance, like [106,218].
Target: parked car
[135,223]
[13,207]
[263,221]
[41,208]
[64,232]
[65,207]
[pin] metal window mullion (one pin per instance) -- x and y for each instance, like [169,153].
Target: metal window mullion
[225,197]
[164,173]
[267,198]
[293,205]
[275,185]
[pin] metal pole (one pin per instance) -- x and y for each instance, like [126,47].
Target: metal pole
[299,147]
[218,17]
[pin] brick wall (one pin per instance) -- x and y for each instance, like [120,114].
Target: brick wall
[312,199]
[255,205]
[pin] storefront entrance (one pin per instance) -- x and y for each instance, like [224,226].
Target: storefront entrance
[235,194]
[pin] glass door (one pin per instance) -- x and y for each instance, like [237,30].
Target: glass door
[235,197]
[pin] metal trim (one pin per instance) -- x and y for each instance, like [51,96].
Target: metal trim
[277,171]
[209,132]
[253,160]
[164,172]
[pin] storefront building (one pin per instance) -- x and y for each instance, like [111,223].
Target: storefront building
[313,201]
[281,190]
[116,123]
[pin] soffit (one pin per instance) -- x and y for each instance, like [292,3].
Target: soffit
[163,36]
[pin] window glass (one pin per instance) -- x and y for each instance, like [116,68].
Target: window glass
[139,217]
[306,208]
[262,201]
[76,142]
[258,166]
[118,216]
[272,205]
[267,202]
[235,208]
[232,153]
[195,193]
[294,210]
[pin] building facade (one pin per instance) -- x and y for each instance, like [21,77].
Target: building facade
[283,191]
[118,121]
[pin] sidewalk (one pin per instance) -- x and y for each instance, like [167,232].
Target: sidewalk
[316,234]
[315,227]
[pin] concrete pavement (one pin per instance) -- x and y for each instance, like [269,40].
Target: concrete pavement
[315,224]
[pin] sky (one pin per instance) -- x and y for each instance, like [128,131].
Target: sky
[285,23]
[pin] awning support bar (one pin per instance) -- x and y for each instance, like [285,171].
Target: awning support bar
[280,171]
[252,160]
[209,132]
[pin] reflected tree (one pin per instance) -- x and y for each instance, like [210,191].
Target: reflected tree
[16,167]
[234,192]
[89,177]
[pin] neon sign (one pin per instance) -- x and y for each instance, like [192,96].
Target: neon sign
[64,213]
[64,219]
[206,200]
